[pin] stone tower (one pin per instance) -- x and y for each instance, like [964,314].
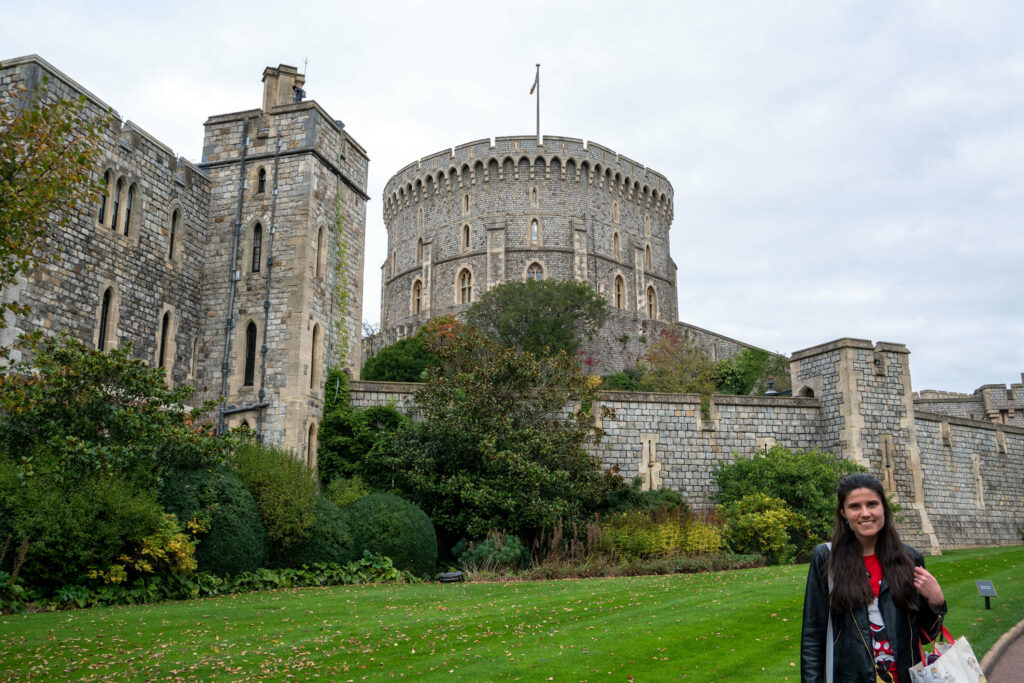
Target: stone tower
[281,299]
[867,416]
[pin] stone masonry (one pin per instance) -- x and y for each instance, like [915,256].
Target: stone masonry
[173,255]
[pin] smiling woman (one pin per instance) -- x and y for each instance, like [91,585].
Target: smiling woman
[868,596]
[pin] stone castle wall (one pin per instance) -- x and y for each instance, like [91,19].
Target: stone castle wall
[488,211]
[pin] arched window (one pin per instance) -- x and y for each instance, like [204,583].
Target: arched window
[249,375]
[620,292]
[535,272]
[534,231]
[615,211]
[311,446]
[616,246]
[465,286]
[419,250]
[105,306]
[652,303]
[647,224]
[533,196]
[314,356]
[103,196]
[165,324]
[320,253]
[647,257]
[128,209]
[257,247]
[465,204]
[417,297]
[175,217]
[465,237]
[394,263]
[261,181]
[117,203]
[419,218]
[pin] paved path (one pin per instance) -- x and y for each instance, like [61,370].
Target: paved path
[1009,655]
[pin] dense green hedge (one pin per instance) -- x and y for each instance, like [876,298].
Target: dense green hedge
[388,525]
[330,540]
[234,540]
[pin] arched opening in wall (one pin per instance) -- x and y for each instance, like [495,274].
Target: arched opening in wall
[257,248]
[652,303]
[807,392]
[535,272]
[249,369]
[615,211]
[244,424]
[419,211]
[116,214]
[534,231]
[311,446]
[465,204]
[570,170]
[394,263]
[492,170]
[523,169]
[465,286]
[105,184]
[417,297]
[533,196]
[314,358]
[465,237]
[193,369]
[647,257]
[320,253]
[647,225]
[419,250]
[128,209]
[616,246]
[175,218]
[106,313]
[478,173]
[165,324]
[261,181]
[620,292]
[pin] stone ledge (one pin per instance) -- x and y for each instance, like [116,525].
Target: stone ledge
[844,343]
[966,422]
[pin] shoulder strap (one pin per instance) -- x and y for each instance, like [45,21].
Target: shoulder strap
[830,644]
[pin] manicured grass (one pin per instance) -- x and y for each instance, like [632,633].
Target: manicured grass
[730,626]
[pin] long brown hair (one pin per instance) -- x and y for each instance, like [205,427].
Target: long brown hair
[851,588]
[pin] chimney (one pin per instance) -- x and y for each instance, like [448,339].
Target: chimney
[279,85]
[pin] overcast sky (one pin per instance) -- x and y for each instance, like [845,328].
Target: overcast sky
[841,169]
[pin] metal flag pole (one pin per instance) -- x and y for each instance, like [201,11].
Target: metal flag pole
[536,86]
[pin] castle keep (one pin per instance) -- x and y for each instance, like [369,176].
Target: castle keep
[240,275]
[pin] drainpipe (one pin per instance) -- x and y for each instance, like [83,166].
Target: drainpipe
[266,298]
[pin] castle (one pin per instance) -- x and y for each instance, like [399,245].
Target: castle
[240,275]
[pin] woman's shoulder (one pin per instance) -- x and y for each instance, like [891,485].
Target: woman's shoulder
[915,555]
[820,553]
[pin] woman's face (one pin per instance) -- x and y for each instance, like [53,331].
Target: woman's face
[865,514]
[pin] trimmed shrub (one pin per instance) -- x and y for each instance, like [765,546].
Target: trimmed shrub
[216,506]
[497,552]
[388,525]
[761,524]
[330,540]
[343,492]
[703,539]
[284,490]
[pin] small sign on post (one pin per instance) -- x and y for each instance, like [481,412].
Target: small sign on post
[987,591]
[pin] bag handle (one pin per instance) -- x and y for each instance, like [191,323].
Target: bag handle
[945,632]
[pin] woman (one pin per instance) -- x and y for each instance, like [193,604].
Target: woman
[874,589]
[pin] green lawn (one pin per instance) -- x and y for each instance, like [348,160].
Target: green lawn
[731,626]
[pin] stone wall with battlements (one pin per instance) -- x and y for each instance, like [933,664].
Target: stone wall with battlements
[995,403]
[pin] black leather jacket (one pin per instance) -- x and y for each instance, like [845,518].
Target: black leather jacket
[852,660]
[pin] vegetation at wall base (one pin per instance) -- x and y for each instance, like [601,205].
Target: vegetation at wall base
[729,626]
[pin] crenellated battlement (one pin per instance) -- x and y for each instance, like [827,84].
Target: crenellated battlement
[519,158]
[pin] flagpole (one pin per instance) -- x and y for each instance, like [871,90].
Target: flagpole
[538,104]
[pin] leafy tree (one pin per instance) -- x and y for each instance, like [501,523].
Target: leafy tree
[758,523]
[48,150]
[739,374]
[805,480]
[543,317]
[404,361]
[673,363]
[494,449]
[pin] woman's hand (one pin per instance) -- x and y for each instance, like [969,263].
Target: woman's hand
[928,587]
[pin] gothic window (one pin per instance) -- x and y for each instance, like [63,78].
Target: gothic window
[465,204]
[128,209]
[105,322]
[103,196]
[394,263]
[615,211]
[647,257]
[465,237]
[616,246]
[257,247]
[165,323]
[175,218]
[314,358]
[311,445]
[620,292]
[320,253]
[647,224]
[652,303]
[419,251]
[117,203]
[249,375]
[417,297]
[533,196]
[534,231]
[419,216]
[261,181]
[535,272]
[465,286]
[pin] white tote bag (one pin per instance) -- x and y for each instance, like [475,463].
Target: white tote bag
[956,664]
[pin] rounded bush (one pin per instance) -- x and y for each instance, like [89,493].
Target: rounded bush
[386,524]
[234,540]
[330,539]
